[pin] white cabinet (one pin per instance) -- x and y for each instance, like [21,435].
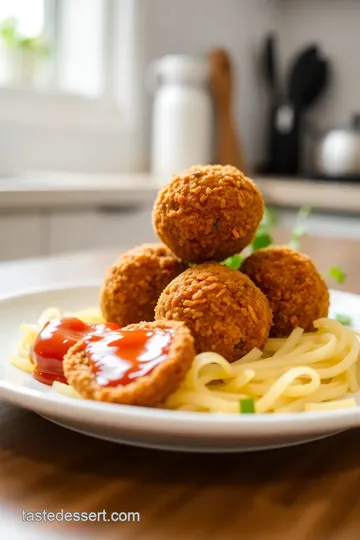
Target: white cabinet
[97,228]
[58,231]
[52,231]
[22,235]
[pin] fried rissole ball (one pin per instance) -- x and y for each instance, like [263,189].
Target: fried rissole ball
[224,310]
[146,390]
[135,281]
[208,213]
[297,293]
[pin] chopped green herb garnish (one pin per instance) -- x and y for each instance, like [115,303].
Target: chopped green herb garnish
[234,262]
[247,406]
[261,240]
[343,319]
[263,237]
[337,274]
[303,213]
[269,220]
[298,231]
[300,228]
[294,244]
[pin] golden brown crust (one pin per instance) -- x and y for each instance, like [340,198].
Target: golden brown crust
[135,281]
[224,310]
[297,293]
[146,391]
[208,213]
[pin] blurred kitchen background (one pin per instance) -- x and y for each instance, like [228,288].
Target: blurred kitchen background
[102,100]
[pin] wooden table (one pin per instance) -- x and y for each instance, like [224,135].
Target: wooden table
[308,492]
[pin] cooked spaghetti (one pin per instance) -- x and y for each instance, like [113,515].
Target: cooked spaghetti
[304,372]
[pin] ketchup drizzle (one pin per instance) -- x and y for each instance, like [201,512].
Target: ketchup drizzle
[117,357]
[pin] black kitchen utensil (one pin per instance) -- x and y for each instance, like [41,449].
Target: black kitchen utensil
[269,63]
[308,76]
[319,81]
[301,73]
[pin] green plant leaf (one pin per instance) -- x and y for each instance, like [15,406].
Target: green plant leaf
[34,44]
[9,31]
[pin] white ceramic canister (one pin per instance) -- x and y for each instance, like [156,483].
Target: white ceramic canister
[182,116]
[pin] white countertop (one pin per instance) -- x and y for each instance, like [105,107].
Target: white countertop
[49,189]
[331,196]
[57,189]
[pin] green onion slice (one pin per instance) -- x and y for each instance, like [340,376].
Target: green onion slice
[343,319]
[247,406]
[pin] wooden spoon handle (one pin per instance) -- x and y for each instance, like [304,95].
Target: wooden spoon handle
[229,149]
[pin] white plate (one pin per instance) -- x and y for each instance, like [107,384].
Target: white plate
[172,430]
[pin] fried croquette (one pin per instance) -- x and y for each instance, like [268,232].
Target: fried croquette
[224,310]
[147,390]
[297,294]
[135,281]
[208,213]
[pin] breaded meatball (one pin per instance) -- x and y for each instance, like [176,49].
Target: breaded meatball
[135,281]
[223,309]
[148,390]
[297,293]
[208,213]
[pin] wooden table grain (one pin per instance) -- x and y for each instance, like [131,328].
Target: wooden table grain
[307,492]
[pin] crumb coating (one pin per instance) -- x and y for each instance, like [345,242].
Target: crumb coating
[224,310]
[135,281]
[297,293]
[208,213]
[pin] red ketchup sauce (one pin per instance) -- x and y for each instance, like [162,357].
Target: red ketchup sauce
[117,357]
[122,356]
[54,341]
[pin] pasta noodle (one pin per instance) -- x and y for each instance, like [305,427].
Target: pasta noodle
[304,372]
[295,374]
